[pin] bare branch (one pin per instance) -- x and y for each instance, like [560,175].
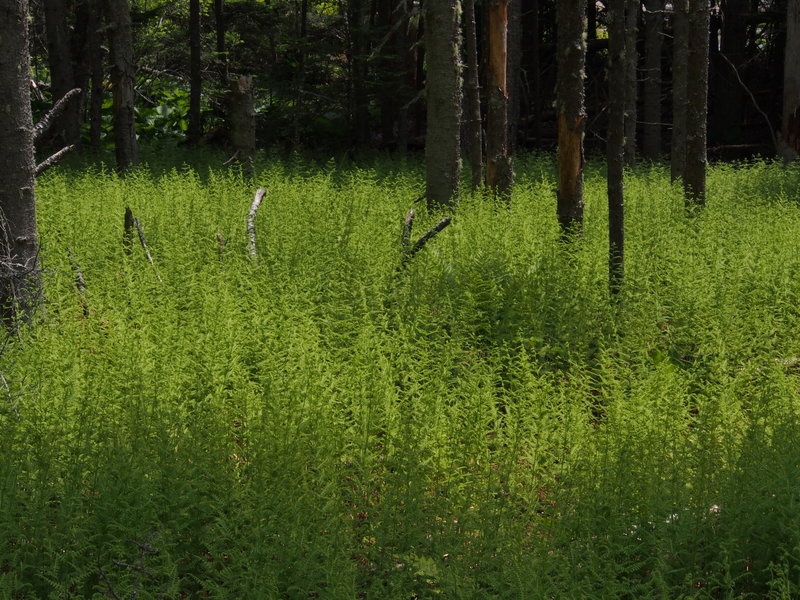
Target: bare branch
[251,220]
[143,242]
[42,126]
[53,159]
[420,243]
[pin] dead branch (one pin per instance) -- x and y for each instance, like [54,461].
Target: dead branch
[143,242]
[42,126]
[127,232]
[9,396]
[251,220]
[420,243]
[231,159]
[53,159]
[408,223]
[753,100]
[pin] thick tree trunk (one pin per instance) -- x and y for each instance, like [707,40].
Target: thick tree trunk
[571,25]
[615,149]
[680,51]
[790,122]
[632,79]
[243,123]
[66,129]
[473,97]
[123,78]
[651,101]
[498,162]
[443,86]
[19,270]
[694,178]
[195,77]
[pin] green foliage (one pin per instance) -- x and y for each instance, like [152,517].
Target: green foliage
[482,423]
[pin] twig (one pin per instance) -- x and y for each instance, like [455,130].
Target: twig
[753,100]
[408,223]
[42,126]
[53,159]
[144,245]
[79,281]
[420,243]
[221,242]
[231,159]
[251,221]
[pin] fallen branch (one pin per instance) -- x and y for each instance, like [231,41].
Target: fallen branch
[143,242]
[127,232]
[231,159]
[420,243]
[53,159]
[42,126]
[251,221]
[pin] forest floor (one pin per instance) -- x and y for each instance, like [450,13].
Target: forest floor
[481,421]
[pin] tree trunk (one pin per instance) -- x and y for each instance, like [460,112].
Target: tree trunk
[95,51]
[443,87]
[615,147]
[219,31]
[514,73]
[19,269]
[694,178]
[66,129]
[632,79]
[123,78]
[680,50]
[243,123]
[571,26]
[790,123]
[651,128]
[195,78]
[473,97]
[498,162]
[358,52]
[300,75]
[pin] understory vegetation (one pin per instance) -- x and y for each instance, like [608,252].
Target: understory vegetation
[481,421]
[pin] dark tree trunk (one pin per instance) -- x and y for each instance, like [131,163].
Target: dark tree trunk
[19,269]
[123,78]
[243,123]
[389,78]
[498,162]
[615,149]
[443,86]
[571,25]
[790,123]
[728,96]
[66,129]
[406,66]
[195,78]
[680,50]
[473,98]
[300,74]
[632,79]
[694,178]
[95,58]
[533,73]
[514,73]
[219,31]
[359,49]
[651,105]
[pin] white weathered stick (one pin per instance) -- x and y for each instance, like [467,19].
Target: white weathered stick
[144,245]
[251,220]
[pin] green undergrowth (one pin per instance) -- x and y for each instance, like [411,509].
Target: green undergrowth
[484,421]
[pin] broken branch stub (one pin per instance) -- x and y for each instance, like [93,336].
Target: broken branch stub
[42,126]
[251,221]
[53,159]
[408,224]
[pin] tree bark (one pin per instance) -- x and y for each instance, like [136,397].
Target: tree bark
[790,122]
[19,269]
[473,97]
[498,162]
[443,87]
[195,77]
[123,78]
[615,148]
[243,123]
[514,76]
[95,52]
[633,8]
[680,29]
[651,101]
[66,129]
[694,178]
[571,26]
